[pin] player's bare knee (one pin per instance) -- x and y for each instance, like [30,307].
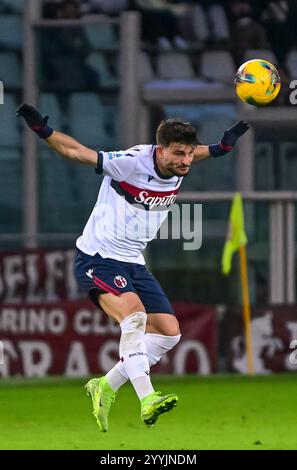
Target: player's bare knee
[120,307]
[163,324]
[173,329]
[131,303]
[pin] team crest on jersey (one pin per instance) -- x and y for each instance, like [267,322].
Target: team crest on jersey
[120,281]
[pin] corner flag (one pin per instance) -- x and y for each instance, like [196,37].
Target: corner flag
[237,240]
[236,233]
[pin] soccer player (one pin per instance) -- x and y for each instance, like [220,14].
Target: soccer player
[138,187]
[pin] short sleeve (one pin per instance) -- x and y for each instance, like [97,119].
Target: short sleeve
[119,165]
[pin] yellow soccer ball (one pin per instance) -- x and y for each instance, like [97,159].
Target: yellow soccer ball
[257,82]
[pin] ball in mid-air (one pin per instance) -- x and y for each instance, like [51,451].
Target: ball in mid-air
[257,82]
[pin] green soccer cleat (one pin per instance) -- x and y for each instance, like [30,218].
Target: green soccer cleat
[154,404]
[103,397]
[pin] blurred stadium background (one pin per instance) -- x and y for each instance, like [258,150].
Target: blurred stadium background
[107,72]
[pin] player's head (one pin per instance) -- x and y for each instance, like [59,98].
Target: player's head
[176,142]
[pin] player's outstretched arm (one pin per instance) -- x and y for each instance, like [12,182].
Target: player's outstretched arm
[201,153]
[61,143]
[225,145]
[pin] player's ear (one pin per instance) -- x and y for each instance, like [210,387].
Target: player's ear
[159,151]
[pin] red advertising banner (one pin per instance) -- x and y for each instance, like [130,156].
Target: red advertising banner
[46,327]
[76,339]
[274,336]
[38,276]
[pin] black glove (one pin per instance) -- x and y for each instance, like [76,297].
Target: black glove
[35,120]
[229,139]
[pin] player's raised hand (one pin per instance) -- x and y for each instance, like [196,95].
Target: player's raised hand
[231,135]
[35,120]
[229,139]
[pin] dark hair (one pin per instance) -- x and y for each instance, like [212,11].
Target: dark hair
[175,130]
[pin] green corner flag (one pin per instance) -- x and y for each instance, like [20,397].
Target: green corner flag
[236,233]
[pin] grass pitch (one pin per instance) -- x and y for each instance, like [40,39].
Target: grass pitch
[217,412]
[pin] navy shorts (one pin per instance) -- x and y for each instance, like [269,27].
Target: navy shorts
[98,275]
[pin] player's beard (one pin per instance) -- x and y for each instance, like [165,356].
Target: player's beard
[181,172]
